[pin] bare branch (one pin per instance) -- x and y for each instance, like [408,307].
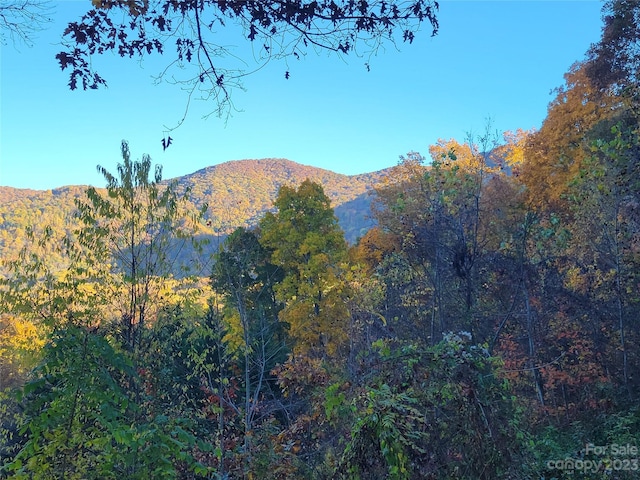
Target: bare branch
[199,63]
[21,20]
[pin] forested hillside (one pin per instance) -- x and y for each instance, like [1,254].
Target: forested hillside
[240,192]
[237,194]
[485,328]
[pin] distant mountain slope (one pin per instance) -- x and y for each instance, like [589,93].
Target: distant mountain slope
[24,209]
[238,193]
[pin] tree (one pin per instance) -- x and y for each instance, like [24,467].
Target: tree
[308,244]
[277,30]
[604,199]
[81,422]
[614,61]
[553,155]
[436,213]
[20,20]
[244,276]
[20,349]
[137,230]
[86,415]
[399,202]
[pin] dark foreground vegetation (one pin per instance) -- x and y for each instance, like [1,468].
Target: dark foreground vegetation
[486,328]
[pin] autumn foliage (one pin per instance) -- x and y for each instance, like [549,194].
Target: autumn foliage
[485,328]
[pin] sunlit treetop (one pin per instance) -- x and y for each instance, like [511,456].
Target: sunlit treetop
[189,34]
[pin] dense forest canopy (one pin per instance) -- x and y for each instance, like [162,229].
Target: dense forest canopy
[484,328]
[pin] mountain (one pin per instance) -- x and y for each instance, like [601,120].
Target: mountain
[237,193]
[240,192]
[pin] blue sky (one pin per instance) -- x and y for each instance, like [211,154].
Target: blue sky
[491,59]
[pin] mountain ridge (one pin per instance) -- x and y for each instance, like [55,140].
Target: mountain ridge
[246,189]
[211,169]
[237,192]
